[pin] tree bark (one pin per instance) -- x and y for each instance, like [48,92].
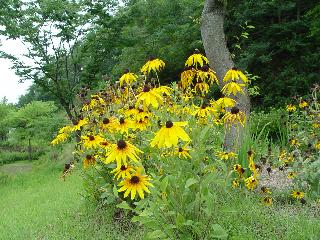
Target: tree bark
[214,42]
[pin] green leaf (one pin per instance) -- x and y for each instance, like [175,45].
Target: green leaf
[164,184]
[124,205]
[115,191]
[180,220]
[190,182]
[157,234]
[218,232]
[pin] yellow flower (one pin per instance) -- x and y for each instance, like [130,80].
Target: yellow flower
[201,87]
[89,160]
[109,124]
[123,171]
[121,152]
[66,129]
[204,111]
[317,145]
[149,97]
[226,155]
[294,142]
[291,108]
[128,78]
[303,104]
[237,168]
[265,190]
[206,74]
[187,77]
[251,183]
[142,124]
[267,201]
[59,138]
[297,194]
[154,64]
[170,134]
[79,124]
[91,141]
[232,88]
[235,183]
[124,125]
[226,102]
[234,116]
[183,152]
[196,58]
[235,74]
[292,175]
[136,183]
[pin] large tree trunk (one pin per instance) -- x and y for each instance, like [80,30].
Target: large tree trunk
[213,38]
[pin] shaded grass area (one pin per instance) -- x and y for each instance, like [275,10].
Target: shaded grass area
[38,205]
[246,218]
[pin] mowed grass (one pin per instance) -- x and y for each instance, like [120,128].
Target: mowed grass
[39,205]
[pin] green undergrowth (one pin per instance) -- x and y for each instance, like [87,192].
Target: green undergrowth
[39,205]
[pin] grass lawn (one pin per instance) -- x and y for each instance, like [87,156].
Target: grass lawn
[38,205]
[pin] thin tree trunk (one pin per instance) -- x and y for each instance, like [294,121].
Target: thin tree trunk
[213,38]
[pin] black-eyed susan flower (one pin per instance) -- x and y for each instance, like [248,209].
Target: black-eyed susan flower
[201,87]
[91,141]
[196,58]
[123,171]
[232,88]
[183,152]
[234,116]
[170,134]
[294,142]
[235,74]
[153,65]
[291,108]
[297,194]
[137,183]
[206,74]
[226,155]
[109,124]
[317,144]
[239,169]
[265,190]
[235,183]
[303,104]
[251,183]
[267,201]
[226,102]
[187,77]
[89,161]
[121,152]
[149,97]
[204,111]
[142,124]
[80,123]
[127,77]
[124,125]
[292,175]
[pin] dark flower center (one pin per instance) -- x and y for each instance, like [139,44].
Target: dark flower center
[146,88]
[131,107]
[91,138]
[135,180]
[234,68]
[169,124]
[140,110]
[106,121]
[104,143]
[180,149]
[89,157]
[151,58]
[250,152]
[123,167]
[205,68]
[121,144]
[196,51]
[126,71]
[121,120]
[235,110]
